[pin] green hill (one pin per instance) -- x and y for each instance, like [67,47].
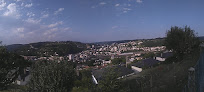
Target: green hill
[47,48]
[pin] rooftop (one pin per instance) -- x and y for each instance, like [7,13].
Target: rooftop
[120,70]
[166,55]
[146,63]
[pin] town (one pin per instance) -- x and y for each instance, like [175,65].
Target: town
[101,46]
[132,54]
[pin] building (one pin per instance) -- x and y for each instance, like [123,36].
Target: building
[120,70]
[139,66]
[106,62]
[71,56]
[164,56]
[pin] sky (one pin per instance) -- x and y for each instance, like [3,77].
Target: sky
[28,21]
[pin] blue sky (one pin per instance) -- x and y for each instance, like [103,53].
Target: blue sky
[27,21]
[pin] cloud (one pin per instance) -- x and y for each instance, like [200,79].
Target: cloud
[19,32]
[45,15]
[30,14]
[51,36]
[33,21]
[114,27]
[116,5]
[125,10]
[66,29]
[29,5]
[58,11]
[93,7]
[22,4]
[2,4]
[50,31]
[55,24]
[18,0]
[139,1]
[102,3]
[12,11]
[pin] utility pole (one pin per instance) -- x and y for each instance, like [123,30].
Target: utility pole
[126,61]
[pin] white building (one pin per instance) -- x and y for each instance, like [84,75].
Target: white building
[71,57]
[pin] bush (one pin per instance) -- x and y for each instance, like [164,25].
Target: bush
[181,41]
[50,76]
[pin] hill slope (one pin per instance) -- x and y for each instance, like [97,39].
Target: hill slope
[163,78]
[47,48]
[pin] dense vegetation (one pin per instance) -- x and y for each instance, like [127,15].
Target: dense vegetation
[11,66]
[83,82]
[153,43]
[49,76]
[181,41]
[148,55]
[118,60]
[171,77]
[48,48]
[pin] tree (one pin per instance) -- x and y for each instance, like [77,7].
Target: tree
[110,81]
[148,55]
[50,76]
[84,82]
[181,40]
[11,66]
[118,60]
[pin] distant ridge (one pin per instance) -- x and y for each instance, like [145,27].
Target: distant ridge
[62,48]
[120,41]
[13,47]
[201,38]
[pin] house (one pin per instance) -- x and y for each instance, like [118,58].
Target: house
[106,62]
[122,72]
[139,66]
[71,57]
[164,56]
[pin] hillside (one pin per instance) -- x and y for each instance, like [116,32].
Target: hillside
[47,48]
[124,41]
[163,78]
[153,42]
[111,42]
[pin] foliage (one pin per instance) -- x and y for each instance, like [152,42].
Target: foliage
[148,55]
[109,82]
[135,61]
[153,43]
[181,40]
[90,62]
[50,76]
[48,48]
[118,60]
[84,82]
[11,66]
[80,89]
